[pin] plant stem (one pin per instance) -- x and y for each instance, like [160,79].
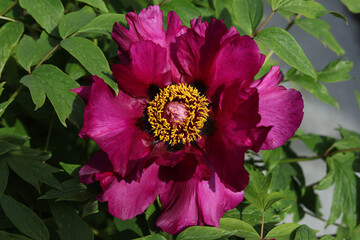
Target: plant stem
[264,23]
[268,56]
[49,133]
[8,19]
[13,96]
[47,55]
[9,7]
[262,226]
[162,3]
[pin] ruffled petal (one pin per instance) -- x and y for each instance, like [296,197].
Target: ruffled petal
[126,200]
[215,199]
[111,122]
[149,66]
[279,107]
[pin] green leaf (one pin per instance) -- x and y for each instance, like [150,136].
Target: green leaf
[327,237]
[248,14]
[327,181]
[243,229]
[23,218]
[305,233]
[10,34]
[91,207]
[50,81]
[70,190]
[96,3]
[185,9]
[309,9]
[357,94]
[152,237]
[4,174]
[11,236]
[69,223]
[25,52]
[91,57]
[4,105]
[350,139]
[73,21]
[74,70]
[204,233]
[71,169]
[273,198]
[137,226]
[43,46]
[286,47]
[315,88]
[46,12]
[317,143]
[28,164]
[352,5]
[282,232]
[344,196]
[257,190]
[103,24]
[320,30]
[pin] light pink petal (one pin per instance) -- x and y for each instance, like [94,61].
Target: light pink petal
[215,199]
[148,66]
[126,200]
[279,107]
[111,122]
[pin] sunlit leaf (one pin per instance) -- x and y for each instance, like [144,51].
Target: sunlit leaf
[204,233]
[282,232]
[310,9]
[243,229]
[103,24]
[352,5]
[248,14]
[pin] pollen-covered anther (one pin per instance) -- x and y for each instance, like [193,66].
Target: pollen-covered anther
[177,114]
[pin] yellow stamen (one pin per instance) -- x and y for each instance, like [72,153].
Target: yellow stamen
[182,132]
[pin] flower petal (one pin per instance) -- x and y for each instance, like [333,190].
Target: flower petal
[279,107]
[83,92]
[148,66]
[126,200]
[111,122]
[96,169]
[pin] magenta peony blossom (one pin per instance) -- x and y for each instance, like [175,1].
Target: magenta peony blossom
[188,109]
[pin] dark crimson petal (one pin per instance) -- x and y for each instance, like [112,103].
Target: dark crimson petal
[126,200]
[111,122]
[83,92]
[148,66]
[280,108]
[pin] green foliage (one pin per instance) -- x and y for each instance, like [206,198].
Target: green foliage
[205,233]
[248,14]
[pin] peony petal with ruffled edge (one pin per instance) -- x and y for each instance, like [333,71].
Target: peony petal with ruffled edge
[111,122]
[279,107]
[149,66]
[125,199]
[215,56]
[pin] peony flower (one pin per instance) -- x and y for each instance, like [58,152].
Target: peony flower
[188,109]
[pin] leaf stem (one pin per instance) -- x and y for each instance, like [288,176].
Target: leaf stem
[13,96]
[9,7]
[8,19]
[264,23]
[49,133]
[326,154]
[47,55]
[262,225]
[162,3]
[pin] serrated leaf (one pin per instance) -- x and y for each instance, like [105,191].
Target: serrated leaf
[282,232]
[10,236]
[91,57]
[305,233]
[352,5]
[46,12]
[23,218]
[73,21]
[185,9]
[315,88]
[51,81]
[309,9]
[286,47]
[96,3]
[4,174]
[152,237]
[350,139]
[25,51]
[10,34]
[103,24]
[28,164]
[69,223]
[204,233]
[243,229]
[344,196]
[320,30]
[248,14]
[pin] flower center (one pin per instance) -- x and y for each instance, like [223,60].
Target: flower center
[177,114]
